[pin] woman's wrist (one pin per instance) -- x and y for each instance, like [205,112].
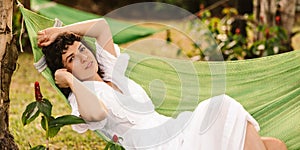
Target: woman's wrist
[70,28]
[70,79]
[63,30]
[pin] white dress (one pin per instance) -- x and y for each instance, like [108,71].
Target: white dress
[131,115]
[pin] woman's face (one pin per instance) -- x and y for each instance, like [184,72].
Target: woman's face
[80,61]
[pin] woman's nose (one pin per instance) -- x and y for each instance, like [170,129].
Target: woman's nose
[82,57]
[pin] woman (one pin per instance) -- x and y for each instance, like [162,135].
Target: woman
[107,100]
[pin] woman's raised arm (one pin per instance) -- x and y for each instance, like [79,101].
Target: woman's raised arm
[90,107]
[97,28]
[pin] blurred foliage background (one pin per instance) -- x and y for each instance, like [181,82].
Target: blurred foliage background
[237,29]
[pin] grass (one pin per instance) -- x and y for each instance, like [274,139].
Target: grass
[22,93]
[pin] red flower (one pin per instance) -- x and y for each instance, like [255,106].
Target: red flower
[201,6]
[237,31]
[38,94]
[115,138]
[262,19]
[267,33]
[277,19]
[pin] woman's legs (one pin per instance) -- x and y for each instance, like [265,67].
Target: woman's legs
[254,142]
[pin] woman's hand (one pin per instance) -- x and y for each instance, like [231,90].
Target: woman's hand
[47,36]
[63,78]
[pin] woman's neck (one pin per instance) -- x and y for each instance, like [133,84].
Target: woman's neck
[94,78]
[98,78]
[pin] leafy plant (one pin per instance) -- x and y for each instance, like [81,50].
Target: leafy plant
[49,123]
[114,144]
[53,125]
[235,42]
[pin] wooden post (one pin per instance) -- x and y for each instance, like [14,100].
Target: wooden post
[265,12]
[8,57]
[288,10]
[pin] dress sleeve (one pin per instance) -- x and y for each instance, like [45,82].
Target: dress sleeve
[106,60]
[81,128]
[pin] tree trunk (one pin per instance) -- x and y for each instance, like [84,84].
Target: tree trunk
[265,11]
[8,57]
[287,13]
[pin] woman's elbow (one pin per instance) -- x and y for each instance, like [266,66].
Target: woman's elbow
[95,117]
[102,22]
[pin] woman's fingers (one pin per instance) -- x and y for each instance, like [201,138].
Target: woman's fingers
[47,36]
[42,38]
[45,43]
[61,76]
[62,69]
[42,32]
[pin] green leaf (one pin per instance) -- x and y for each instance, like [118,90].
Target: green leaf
[113,147]
[53,131]
[260,28]
[50,131]
[39,147]
[118,147]
[45,107]
[65,120]
[30,113]
[107,146]
[43,122]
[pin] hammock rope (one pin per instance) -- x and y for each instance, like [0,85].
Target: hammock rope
[267,87]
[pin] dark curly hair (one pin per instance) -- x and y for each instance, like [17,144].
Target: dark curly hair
[53,54]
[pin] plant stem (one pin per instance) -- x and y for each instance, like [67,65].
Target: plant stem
[47,143]
[47,133]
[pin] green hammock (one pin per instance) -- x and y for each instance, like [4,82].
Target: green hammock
[123,32]
[267,87]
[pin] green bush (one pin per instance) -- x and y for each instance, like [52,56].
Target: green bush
[258,41]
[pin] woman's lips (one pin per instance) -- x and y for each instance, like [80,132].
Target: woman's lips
[89,65]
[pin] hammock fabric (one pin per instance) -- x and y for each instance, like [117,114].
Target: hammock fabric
[123,32]
[267,87]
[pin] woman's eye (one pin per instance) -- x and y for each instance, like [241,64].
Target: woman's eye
[82,49]
[71,59]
